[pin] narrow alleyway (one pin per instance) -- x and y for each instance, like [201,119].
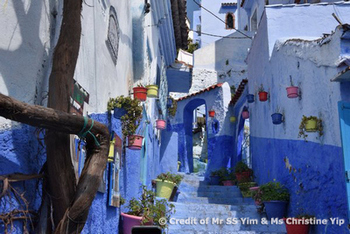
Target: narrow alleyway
[199,201]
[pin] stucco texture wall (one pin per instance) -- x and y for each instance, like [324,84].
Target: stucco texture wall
[312,170]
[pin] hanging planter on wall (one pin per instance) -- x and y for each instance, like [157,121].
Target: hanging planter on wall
[119,112]
[211,113]
[152,91]
[250,98]
[245,114]
[135,142]
[262,94]
[232,119]
[160,124]
[277,118]
[292,92]
[140,93]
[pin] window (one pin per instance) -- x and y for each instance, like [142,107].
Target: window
[230,21]
[254,22]
[113,35]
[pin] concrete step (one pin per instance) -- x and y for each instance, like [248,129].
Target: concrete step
[233,193]
[208,188]
[184,198]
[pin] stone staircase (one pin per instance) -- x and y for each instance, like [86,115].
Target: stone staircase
[209,209]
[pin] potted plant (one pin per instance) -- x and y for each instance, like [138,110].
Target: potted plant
[245,113]
[277,117]
[152,91]
[243,172]
[119,106]
[262,94]
[165,183]
[169,102]
[130,120]
[299,224]
[173,108]
[211,113]
[310,124]
[160,124]
[275,198]
[292,91]
[140,93]
[146,211]
[227,177]
[244,187]
[232,119]
[215,177]
[250,98]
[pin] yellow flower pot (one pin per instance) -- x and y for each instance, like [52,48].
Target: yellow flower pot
[232,119]
[152,91]
[311,125]
[164,188]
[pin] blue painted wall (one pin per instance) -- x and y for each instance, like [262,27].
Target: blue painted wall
[20,152]
[314,178]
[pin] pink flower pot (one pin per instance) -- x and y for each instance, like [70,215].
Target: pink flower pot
[292,92]
[160,124]
[245,114]
[130,221]
[135,142]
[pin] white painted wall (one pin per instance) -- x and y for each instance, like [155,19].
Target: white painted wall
[221,61]
[311,66]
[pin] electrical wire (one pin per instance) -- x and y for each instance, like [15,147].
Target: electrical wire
[219,18]
[214,35]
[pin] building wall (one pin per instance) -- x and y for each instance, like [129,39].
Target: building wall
[312,170]
[215,99]
[212,25]
[221,61]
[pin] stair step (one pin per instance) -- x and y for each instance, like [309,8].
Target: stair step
[214,200]
[208,188]
[232,193]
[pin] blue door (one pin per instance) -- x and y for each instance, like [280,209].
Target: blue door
[344,114]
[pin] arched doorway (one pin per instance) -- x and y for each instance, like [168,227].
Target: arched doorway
[243,141]
[194,109]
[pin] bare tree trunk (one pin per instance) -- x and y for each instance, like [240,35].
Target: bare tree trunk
[61,177]
[76,213]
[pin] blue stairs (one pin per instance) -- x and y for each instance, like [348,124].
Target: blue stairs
[217,207]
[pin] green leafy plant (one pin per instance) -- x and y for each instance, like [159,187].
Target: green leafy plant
[173,108]
[175,178]
[150,208]
[224,174]
[241,167]
[261,88]
[273,191]
[192,46]
[302,126]
[132,119]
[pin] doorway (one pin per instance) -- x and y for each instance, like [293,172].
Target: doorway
[199,139]
[344,115]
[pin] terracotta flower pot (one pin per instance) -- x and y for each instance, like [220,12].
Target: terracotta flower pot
[263,96]
[243,176]
[211,113]
[250,98]
[135,142]
[140,93]
[292,92]
[277,118]
[228,183]
[160,124]
[296,228]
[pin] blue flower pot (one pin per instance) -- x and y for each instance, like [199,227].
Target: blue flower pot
[275,209]
[119,112]
[250,98]
[277,118]
[214,180]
